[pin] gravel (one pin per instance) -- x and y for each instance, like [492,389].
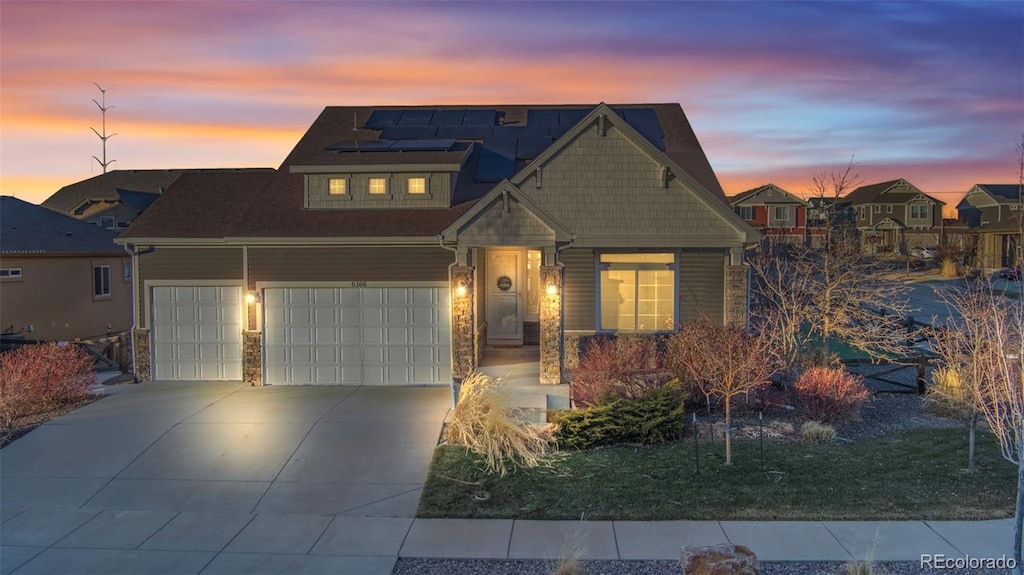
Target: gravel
[407,566]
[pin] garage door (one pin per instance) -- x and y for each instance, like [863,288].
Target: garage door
[197,333]
[372,336]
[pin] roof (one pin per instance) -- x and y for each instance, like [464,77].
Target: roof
[32,229]
[785,198]
[1003,192]
[872,194]
[138,200]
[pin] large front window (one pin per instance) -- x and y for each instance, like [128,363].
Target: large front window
[638,292]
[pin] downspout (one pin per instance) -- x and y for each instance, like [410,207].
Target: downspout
[455,387]
[130,249]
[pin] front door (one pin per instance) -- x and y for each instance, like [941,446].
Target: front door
[505,296]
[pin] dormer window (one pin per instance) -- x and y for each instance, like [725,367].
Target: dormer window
[338,187]
[378,186]
[417,186]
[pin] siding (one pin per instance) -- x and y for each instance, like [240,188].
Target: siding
[495,227]
[701,286]
[579,292]
[348,264]
[318,196]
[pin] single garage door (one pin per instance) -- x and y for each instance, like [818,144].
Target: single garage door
[197,333]
[355,336]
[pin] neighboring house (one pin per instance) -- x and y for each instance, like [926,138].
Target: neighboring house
[60,278]
[395,244]
[993,213]
[895,216]
[773,211]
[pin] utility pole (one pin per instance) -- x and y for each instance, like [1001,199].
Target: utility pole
[104,137]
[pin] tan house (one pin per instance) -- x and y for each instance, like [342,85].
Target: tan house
[993,214]
[60,278]
[396,245]
[895,216]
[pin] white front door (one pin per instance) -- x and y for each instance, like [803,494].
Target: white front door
[505,296]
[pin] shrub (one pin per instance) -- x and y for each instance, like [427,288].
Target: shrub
[655,418]
[814,432]
[829,395]
[37,378]
[950,396]
[626,367]
[484,420]
[949,268]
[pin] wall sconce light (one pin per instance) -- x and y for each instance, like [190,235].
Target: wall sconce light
[461,289]
[552,289]
[253,297]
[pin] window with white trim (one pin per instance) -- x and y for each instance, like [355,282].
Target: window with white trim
[107,222]
[101,281]
[780,215]
[746,212]
[416,186]
[10,273]
[878,208]
[126,272]
[377,186]
[888,209]
[337,186]
[637,292]
[919,212]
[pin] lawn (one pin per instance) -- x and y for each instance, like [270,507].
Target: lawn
[916,474]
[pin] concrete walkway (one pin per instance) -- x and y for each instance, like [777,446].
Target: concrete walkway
[220,478]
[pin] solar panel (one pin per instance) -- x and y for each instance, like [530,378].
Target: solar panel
[570,118]
[501,144]
[465,132]
[645,120]
[541,118]
[416,118]
[556,131]
[422,145]
[361,146]
[479,118]
[493,168]
[447,117]
[409,132]
[529,147]
[381,119]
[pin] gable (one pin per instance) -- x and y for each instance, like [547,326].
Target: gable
[506,221]
[610,191]
[768,194]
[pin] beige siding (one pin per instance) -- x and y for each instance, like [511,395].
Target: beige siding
[517,227]
[579,292]
[605,187]
[164,263]
[701,286]
[348,264]
[318,196]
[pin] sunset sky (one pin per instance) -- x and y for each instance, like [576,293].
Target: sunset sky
[776,91]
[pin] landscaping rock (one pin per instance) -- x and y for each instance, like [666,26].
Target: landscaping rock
[723,559]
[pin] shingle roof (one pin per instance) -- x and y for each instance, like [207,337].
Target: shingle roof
[786,198]
[1003,191]
[871,194]
[138,200]
[29,228]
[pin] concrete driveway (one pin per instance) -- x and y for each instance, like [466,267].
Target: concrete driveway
[220,478]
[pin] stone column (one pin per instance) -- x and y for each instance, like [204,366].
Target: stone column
[736,278]
[140,354]
[551,324]
[463,338]
[252,358]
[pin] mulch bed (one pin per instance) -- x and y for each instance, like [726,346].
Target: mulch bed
[27,423]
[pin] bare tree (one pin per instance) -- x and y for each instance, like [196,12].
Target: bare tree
[808,297]
[724,362]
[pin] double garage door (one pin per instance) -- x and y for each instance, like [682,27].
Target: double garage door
[329,336]
[366,335]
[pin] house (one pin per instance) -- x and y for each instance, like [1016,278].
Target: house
[774,212]
[396,245]
[895,216]
[992,213]
[60,278]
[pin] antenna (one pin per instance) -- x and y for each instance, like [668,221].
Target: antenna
[104,137]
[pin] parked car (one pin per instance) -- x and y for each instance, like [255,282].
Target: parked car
[923,253]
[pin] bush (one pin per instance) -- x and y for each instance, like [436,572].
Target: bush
[655,418]
[38,378]
[949,396]
[626,367]
[814,432]
[484,420]
[829,395]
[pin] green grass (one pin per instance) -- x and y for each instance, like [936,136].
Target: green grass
[919,474]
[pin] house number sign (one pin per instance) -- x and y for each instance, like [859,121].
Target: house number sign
[504,283]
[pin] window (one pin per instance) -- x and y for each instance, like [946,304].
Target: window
[126,272]
[417,186]
[337,187]
[638,292]
[863,212]
[878,208]
[101,281]
[888,209]
[7,273]
[746,212]
[780,214]
[378,186]
[107,222]
[919,212]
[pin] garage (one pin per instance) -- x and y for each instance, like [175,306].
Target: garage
[197,333]
[356,335]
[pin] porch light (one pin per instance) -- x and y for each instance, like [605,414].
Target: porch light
[460,289]
[552,289]
[252,297]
